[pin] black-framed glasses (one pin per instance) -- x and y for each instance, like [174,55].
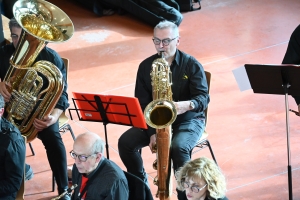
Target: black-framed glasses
[81,158]
[14,36]
[194,188]
[165,42]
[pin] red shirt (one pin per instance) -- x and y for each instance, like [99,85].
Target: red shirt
[83,184]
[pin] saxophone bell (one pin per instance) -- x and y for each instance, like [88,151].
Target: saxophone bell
[160,114]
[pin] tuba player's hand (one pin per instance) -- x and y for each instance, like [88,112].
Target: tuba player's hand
[41,124]
[48,120]
[4,92]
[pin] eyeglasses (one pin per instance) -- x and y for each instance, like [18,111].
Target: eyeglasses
[165,42]
[14,36]
[81,158]
[193,187]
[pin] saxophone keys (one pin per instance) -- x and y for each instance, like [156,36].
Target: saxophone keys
[155,181]
[154,165]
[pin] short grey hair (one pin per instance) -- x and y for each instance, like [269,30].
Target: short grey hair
[2,103]
[13,23]
[98,146]
[167,24]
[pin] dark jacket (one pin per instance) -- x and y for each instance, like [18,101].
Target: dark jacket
[108,182]
[12,159]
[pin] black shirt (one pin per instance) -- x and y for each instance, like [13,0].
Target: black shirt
[189,83]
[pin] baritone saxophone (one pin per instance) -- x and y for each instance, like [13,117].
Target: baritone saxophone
[160,114]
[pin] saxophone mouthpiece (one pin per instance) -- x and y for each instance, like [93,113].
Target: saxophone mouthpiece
[161,54]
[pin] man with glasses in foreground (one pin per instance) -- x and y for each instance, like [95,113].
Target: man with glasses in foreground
[190,96]
[96,177]
[201,179]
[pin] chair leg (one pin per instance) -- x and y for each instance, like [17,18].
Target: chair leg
[211,151]
[31,148]
[71,131]
[202,145]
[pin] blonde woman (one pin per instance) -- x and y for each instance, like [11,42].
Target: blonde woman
[201,179]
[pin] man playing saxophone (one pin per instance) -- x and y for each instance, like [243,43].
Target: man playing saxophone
[47,127]
[190,96]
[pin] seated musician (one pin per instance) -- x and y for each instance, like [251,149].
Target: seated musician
[201,179]
[48,127]
[190,97]
[12,157]
[96,177]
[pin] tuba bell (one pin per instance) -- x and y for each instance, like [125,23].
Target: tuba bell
[160,114]
[35,89]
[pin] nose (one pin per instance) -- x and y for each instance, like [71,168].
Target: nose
[161,45]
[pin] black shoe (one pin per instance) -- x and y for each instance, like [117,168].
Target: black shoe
[28,172]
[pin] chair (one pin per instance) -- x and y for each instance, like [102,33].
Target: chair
[203,141]
[138,189]
[63,120]
[20,193]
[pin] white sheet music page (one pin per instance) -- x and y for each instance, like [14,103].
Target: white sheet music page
[241,78]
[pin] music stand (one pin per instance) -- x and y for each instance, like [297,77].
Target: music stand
[277,79]
[108,109]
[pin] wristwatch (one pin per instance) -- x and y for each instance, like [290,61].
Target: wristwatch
[192,105]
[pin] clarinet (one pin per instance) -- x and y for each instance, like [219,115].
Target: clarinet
[67,192]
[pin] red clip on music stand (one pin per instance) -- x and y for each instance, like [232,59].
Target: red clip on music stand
[277,79]
[108,109]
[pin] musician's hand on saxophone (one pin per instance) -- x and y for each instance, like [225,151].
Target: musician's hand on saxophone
[3,90]
[182,106]
[48,120]
[152,143]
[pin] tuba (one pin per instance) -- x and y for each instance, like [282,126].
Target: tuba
[160,114]
[35,89]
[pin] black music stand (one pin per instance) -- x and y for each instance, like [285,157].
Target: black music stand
[277,79]
[108,109]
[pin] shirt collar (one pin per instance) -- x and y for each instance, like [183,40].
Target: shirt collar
[177,57]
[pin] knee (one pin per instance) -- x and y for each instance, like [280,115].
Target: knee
[124,143]
[179,149]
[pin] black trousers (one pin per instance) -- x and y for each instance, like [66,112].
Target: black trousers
[184,138]
[56,153]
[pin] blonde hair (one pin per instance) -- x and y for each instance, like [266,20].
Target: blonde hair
[207,169]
